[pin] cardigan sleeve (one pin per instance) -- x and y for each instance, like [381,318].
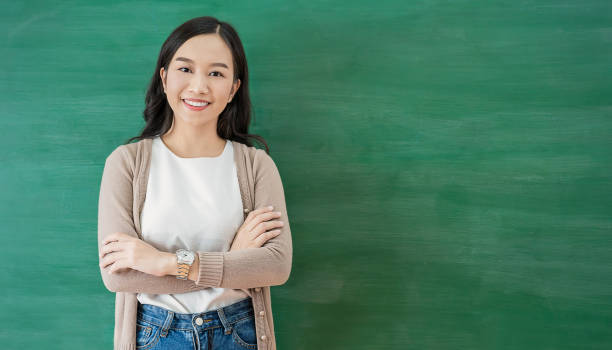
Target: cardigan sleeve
[115,214]
[268,265]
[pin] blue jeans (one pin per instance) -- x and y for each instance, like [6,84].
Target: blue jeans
[229,327]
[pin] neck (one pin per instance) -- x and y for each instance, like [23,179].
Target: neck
[190,142]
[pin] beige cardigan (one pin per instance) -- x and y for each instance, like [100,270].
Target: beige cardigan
[122,192]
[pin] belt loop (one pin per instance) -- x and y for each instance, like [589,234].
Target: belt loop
[167,323]
[226,325]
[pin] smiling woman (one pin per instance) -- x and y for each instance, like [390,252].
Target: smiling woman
[187,236]
[202,60]
[199,78]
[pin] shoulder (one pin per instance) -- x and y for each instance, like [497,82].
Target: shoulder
[124,155]
[262,160]
[259,158]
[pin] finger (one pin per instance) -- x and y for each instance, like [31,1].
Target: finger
[265,216]
[258,211]
[117,237]
[266,236]
[108,260]
[262,228]
[109,248]
[268,225]
[108,238]
[111,258]
[269,215]
[116,267]
[104,250]
[113,237]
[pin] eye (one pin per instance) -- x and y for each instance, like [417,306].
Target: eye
[220,74]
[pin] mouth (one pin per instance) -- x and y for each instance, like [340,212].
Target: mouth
[195,105]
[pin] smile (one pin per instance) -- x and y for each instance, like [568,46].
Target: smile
[195,106]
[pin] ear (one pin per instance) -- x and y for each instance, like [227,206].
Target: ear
[235,88]
[162,74]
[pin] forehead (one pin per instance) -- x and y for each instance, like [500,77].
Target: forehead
[205,49]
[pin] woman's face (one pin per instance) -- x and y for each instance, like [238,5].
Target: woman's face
[201,69]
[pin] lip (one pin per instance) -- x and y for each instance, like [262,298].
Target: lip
[195,99]
[194,108]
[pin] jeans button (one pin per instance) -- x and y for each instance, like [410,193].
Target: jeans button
[199,321]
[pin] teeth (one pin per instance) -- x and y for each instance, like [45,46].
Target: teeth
[196,104]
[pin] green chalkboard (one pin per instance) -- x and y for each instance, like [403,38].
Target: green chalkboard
[447,165]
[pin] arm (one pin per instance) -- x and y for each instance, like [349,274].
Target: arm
[115,214]
[268,265]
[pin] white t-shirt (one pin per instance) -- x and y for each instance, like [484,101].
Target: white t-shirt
[194,204]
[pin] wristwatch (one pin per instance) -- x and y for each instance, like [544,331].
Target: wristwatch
[184,260]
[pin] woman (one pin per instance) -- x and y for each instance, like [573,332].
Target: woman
[192,222]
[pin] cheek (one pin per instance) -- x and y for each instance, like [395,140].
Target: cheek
[175,83]
[222,90]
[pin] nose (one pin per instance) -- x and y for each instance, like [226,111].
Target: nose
[199,84]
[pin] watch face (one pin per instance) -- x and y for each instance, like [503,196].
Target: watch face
[185,256]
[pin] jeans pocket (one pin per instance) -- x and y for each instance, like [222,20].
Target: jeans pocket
[147,334]
[243,332]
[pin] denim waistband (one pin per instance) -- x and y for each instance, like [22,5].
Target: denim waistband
[221,317]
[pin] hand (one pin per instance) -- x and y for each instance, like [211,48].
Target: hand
[121,251]
[254,232]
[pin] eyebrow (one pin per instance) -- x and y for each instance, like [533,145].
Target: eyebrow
[216,64]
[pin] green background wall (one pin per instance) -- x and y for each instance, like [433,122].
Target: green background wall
[447,165]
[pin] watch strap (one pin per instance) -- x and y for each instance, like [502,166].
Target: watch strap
[183,265]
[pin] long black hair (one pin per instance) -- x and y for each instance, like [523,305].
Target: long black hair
[233,123]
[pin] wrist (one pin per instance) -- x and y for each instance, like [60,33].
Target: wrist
[170,266]
[194,271]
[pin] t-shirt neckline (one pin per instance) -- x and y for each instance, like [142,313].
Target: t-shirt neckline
[163,145]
